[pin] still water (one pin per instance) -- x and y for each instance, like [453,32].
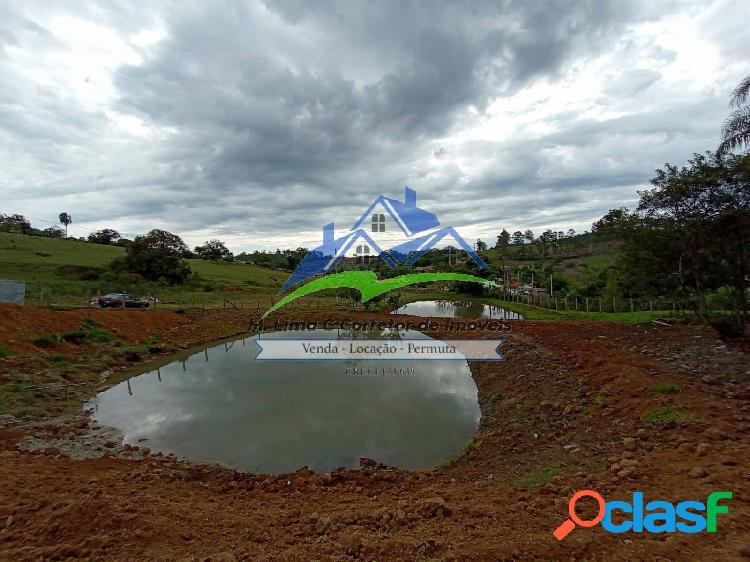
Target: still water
[457,309]
[219,405]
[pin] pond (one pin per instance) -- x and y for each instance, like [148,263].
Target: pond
[457,309]
[218,405]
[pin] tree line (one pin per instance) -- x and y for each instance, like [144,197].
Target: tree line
[689,234]
[548,243]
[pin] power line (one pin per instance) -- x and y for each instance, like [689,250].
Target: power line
[74,226]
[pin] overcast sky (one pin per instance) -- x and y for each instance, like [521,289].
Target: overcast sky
[258,122]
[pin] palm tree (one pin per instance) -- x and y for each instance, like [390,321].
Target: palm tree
[65,219]
[736,129]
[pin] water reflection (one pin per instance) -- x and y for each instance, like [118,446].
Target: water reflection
[218,405]
[457,309]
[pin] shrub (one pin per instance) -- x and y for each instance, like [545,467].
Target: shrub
[373,304]
[540,476]
[728,326]
[394,300]
[669,414]
[89,330]
[44,340]
[4,352]
[665,388]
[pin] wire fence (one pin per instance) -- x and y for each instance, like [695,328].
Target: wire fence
[346,299]
[598,303]
[54,297]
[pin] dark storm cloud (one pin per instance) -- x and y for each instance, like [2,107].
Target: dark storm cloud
[278,117]
[252,117]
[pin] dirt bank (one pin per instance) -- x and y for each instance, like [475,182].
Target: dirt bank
[610,407]
[19,325]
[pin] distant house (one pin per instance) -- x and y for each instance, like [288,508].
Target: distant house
[397,232]
[520,288]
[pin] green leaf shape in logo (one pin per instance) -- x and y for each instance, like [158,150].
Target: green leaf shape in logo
[366,282]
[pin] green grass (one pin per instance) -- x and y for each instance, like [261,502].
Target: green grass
[669,414]
[468,448]
[603,398]
[533,313]
[239,274]
[45,340]
[665,388]
[64,272]
[89,331]
[565,439]
[90,334]
[14,394]
[540,476]
[22,253]
[4,352]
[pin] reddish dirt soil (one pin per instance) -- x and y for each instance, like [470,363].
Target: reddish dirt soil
[571,395]
[20,324]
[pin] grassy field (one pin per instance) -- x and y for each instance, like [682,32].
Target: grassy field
[534,313]
[67,271]
[577,266]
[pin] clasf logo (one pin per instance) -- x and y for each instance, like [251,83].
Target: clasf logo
[654,517]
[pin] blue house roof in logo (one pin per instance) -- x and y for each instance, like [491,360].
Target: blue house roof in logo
[411,250]
[411,220]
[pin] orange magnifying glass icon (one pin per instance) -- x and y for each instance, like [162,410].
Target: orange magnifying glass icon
[569,524]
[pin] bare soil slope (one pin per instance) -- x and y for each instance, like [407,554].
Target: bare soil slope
[576,406]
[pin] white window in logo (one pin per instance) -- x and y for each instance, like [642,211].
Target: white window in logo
[378,222]
[363,253]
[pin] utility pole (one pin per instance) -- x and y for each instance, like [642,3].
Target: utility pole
[451,252]
[551,291]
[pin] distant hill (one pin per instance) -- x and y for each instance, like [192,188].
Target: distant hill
[578,262]
[73,268]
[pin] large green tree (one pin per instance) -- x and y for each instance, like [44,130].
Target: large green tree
[156,255]
[690,233]
[14,223]
[105,236]
[503,240]
[212,250]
